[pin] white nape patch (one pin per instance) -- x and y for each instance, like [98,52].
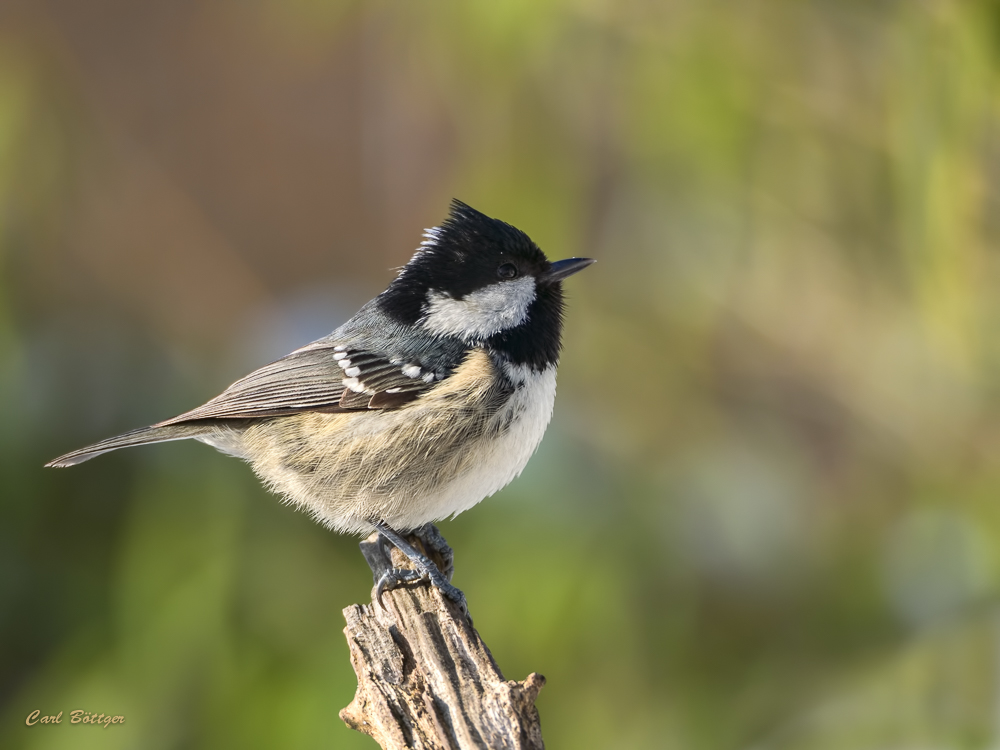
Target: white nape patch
[482,313]
[411,371]
[339,355]
[352,372]
[431,236]
[354,384]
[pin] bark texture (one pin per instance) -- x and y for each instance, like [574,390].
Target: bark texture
[426,680]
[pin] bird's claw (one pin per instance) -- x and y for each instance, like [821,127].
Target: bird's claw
[393,579]
[455,594]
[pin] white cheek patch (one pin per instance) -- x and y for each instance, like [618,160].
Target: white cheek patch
[483,313]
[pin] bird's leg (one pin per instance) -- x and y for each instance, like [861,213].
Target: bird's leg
[425,569]
[433,541]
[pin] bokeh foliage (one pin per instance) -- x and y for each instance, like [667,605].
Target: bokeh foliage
[766,513]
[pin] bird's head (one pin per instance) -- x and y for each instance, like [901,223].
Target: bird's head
[483,281]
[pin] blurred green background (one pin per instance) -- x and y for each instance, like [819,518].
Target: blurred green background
[766,513]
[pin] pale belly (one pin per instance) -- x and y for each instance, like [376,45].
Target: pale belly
[436,457]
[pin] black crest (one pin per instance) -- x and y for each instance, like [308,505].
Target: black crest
[457,258]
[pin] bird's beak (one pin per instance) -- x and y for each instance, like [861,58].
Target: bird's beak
[561,269]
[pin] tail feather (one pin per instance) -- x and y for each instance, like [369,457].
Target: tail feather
[141,436]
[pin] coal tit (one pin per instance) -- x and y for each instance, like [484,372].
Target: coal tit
[431,398]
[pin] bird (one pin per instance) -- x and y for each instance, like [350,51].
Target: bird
[432,397]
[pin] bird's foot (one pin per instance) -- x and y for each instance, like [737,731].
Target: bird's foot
[424,568]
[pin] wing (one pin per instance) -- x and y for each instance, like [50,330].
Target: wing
[322,376]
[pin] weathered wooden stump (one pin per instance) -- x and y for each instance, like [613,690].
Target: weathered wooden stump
[426,680]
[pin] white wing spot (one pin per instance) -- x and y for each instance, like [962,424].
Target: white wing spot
[344,363]
[354,385]
[393,390]
[339,355]
[411,371]
[352,372]
[339,348]
[428,377]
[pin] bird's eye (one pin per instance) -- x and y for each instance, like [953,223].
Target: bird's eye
[507,271]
